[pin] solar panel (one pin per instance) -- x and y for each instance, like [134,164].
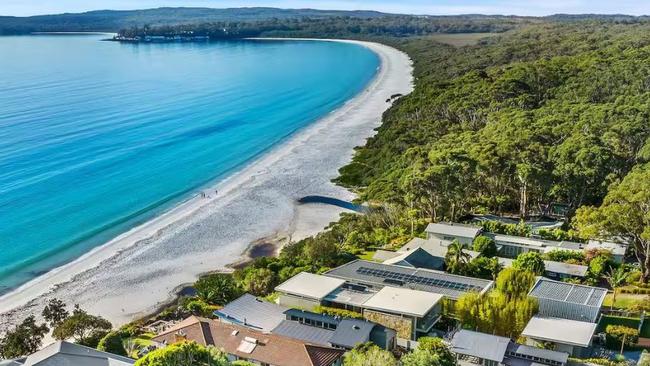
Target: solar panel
[397,278]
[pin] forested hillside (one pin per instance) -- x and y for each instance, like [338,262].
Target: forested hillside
[551,113]
[216,22]
[114,20]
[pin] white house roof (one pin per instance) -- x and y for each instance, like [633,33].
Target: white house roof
[403,301]
[615,248]
[64,353]
[453,229]
[564,331]
[519,240]
[310,285]
[482,345]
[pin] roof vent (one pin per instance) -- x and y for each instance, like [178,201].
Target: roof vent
[356,327]
[234,332]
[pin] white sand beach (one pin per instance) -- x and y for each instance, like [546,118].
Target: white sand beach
[138,271]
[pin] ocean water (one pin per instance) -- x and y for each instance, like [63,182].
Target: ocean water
[97,137]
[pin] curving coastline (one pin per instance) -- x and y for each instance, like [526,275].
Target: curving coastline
[139,270]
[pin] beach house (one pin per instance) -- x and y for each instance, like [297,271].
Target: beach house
[408,300]
[441,234]
[243,343]
[318,329]
[567,317]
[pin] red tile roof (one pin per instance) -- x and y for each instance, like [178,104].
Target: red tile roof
[269,348]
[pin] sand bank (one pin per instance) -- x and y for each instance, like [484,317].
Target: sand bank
[139,270]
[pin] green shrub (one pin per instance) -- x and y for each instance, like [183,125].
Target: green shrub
[337,312]
[485,245]
[113,342]
[565,256]
[616,334]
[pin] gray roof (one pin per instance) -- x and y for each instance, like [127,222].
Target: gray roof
[15,362]
[568,292]
[486,346]
[310,334]
[64,353]
[418,258]
[352,332]
[380,274]
[453,229]
[566,268]
[252,312]
[552,266]
[546,354]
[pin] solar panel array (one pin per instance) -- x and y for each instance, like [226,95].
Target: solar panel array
[561,291]
[415,279]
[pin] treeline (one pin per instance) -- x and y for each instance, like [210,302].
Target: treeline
[335,26]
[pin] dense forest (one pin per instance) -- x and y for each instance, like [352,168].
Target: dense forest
[336,26]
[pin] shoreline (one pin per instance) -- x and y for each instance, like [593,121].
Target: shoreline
[146,263]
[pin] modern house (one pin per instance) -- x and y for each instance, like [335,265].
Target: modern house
[555,270]
[567,317]
[64,353]
[335,332]
[568,301]
[244,343]
[421,253]
[474,348]
[318,329]
[443,233]
[512,246]
[406,299]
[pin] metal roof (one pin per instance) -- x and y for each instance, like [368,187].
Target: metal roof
[482,345]
[379,274]
[307,333]
[552,266]
[564,331]
[566,268]
[351,332]
[253,312]
[418,258]
[65,353]
[453,229]
[546,354]
[310,285]
[568,292]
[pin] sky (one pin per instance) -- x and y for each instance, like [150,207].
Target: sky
[432,7]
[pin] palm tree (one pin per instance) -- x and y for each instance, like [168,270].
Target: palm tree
[616,278]
[456,256]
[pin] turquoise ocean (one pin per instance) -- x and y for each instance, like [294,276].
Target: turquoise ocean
[97,137]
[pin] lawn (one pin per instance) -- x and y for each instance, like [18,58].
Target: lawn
[460,39]
[367,255]
[624,301]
